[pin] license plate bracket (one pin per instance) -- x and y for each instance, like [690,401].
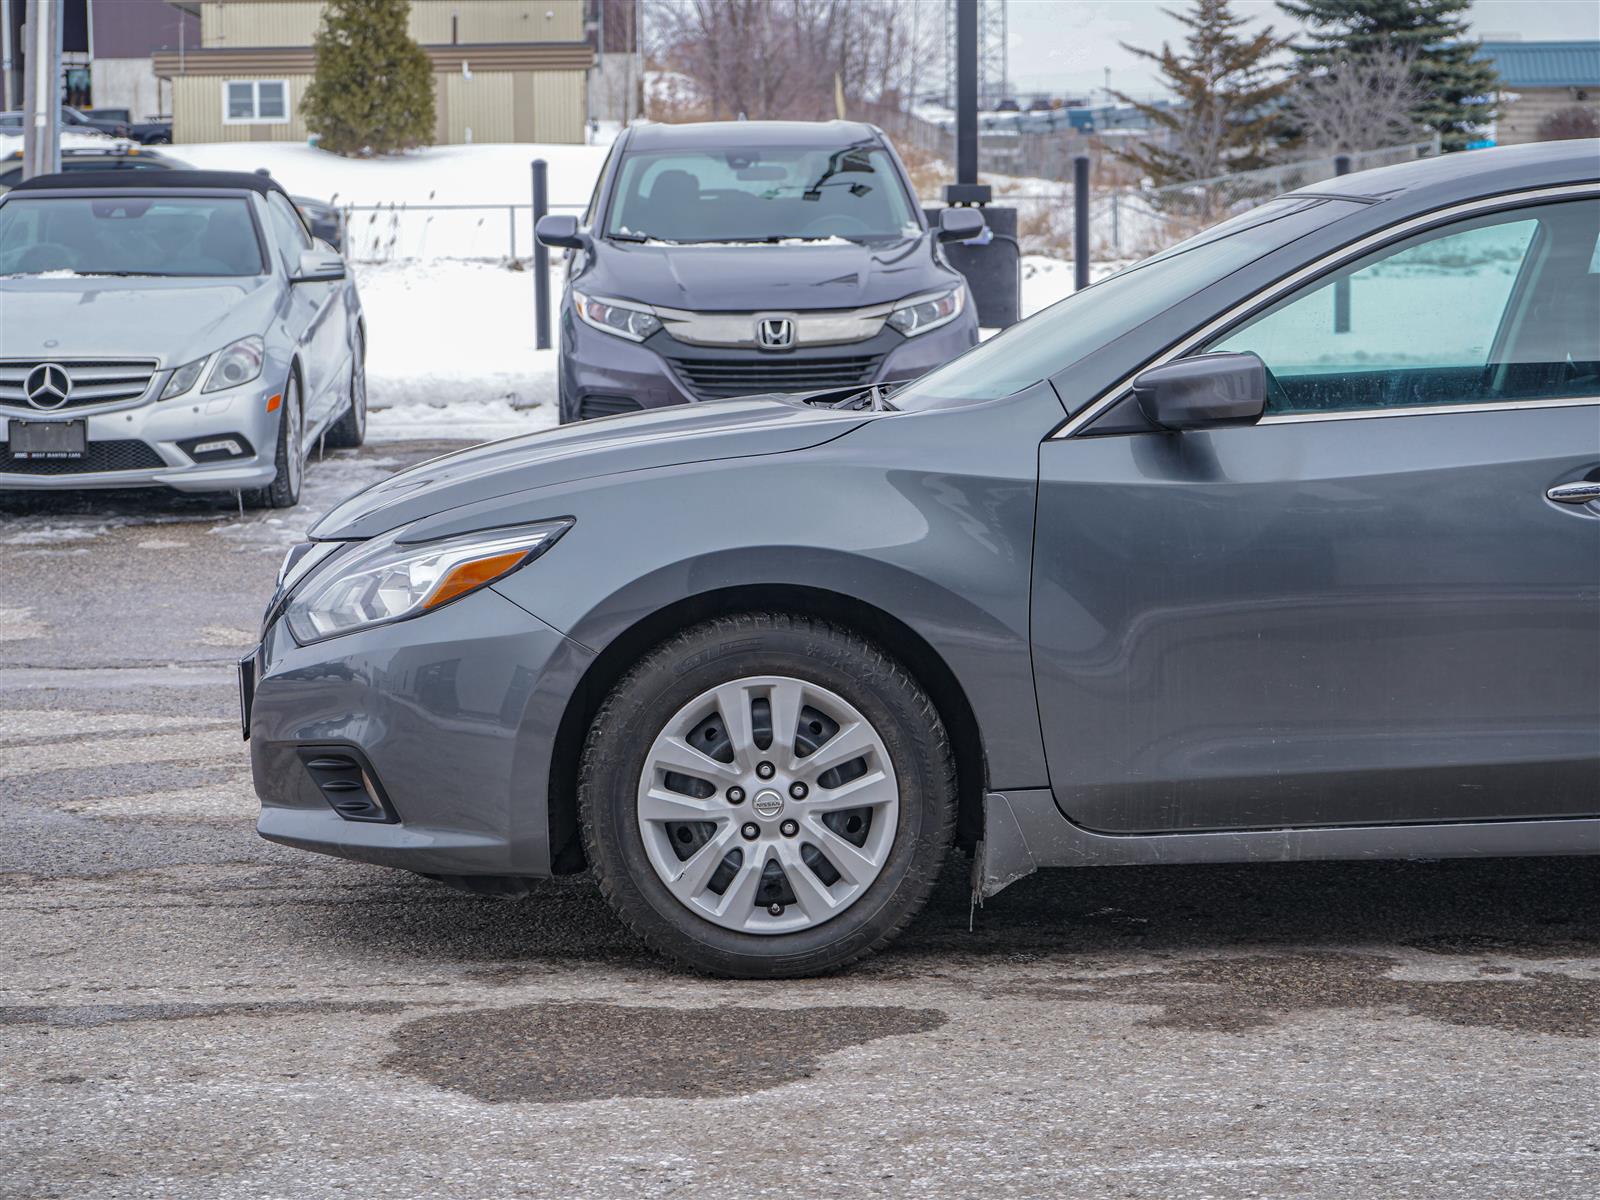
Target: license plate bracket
[30,440]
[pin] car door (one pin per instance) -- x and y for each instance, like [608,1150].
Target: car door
[1366,608]
[317,318]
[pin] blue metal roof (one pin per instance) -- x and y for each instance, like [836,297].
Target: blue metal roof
[1545,64]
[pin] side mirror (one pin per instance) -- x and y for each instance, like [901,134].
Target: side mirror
[1206,390]
[318,266]
[560,229]
[960,224]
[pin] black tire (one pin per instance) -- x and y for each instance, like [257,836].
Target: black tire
[284,490]
[350,430]
[731,648]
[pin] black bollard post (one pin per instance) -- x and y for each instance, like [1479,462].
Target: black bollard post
[541,258]
[1080,222]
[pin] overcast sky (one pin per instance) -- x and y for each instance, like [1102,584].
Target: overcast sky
[1065,45]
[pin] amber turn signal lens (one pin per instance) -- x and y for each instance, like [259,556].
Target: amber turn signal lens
[272,405]
[471,575]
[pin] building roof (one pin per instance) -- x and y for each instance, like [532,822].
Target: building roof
[1545,64]
[139,181]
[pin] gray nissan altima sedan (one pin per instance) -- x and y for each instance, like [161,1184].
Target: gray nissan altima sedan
[175,329]
[1282,544]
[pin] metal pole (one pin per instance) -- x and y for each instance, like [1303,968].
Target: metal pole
[541,259]
[1080,222]
[966,91]
[6,62]
[41,120]
[511,221]
[1341,286]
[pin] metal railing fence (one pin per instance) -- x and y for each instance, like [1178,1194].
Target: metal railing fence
[390,232]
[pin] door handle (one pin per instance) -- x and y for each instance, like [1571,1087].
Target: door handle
[1582,492]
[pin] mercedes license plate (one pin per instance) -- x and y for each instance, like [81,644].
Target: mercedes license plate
[47,439]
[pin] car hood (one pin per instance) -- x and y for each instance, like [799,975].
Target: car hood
[751,278]
[100,316]
[465,491]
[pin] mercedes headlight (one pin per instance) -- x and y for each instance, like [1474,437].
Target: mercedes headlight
[183,379]
[384,581]
[632,321]
[239,363]
[922,313]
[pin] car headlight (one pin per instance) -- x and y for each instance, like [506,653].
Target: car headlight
[922,313]
[631,321]
[239,363]
[383,581]
[183,379]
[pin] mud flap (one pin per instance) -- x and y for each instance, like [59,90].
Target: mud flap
[1002,855]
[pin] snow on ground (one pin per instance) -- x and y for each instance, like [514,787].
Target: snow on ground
[450,350]
[481,174]
[393,197]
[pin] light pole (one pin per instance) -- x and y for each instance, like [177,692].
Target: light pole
[41,128]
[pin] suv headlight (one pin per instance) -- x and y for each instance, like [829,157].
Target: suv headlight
[383,581]
[632,321]
[922,313]
[238,363]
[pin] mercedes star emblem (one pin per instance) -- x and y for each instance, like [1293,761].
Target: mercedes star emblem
[47,386]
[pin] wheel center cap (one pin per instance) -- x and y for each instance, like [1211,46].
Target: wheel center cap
[767,804]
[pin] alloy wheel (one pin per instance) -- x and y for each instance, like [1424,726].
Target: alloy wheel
[768,805]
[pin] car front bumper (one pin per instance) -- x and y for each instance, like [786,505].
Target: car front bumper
[455,714]
[603,374]
[149,434]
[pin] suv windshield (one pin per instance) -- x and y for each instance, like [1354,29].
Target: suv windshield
[1052,340]
[129,235]
[761,195]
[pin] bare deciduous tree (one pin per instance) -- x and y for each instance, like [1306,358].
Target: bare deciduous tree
[777,59]
[1361,102]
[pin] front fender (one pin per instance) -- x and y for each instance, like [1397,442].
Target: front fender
[927,517]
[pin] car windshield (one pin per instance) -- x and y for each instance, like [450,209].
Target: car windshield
[129,235]
[1052,340]
[761,195]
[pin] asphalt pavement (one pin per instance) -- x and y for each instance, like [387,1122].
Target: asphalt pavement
[187,1011]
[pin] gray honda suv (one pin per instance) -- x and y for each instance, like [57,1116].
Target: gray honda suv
[729,258]
[1283,544]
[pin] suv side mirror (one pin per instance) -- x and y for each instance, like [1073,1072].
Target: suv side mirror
[960,224]
[318,266]
[1206,390]
[560,229]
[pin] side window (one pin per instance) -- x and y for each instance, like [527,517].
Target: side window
[287,229]
[1499,308]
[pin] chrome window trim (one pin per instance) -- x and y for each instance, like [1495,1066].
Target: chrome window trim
[1418,410]
[1328,262]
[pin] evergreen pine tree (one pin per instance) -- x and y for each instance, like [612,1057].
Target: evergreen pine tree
[373,87]
[1456,87]
[1226,88]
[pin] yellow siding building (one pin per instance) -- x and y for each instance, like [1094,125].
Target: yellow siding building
[504,70]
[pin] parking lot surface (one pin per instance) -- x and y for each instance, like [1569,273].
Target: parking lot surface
[188,1011]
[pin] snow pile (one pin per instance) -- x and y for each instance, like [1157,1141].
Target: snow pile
[450,350]
[481,174]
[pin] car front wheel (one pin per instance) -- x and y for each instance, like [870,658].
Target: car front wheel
[766,796]
[284,490]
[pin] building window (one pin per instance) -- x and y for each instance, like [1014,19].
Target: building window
[255,102]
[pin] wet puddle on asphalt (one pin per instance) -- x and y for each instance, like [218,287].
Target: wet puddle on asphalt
[562,1053]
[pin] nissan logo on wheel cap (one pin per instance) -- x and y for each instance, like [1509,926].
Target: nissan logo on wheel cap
[47,386]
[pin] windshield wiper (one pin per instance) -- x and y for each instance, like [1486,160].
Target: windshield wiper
[871,400]
[628,236]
